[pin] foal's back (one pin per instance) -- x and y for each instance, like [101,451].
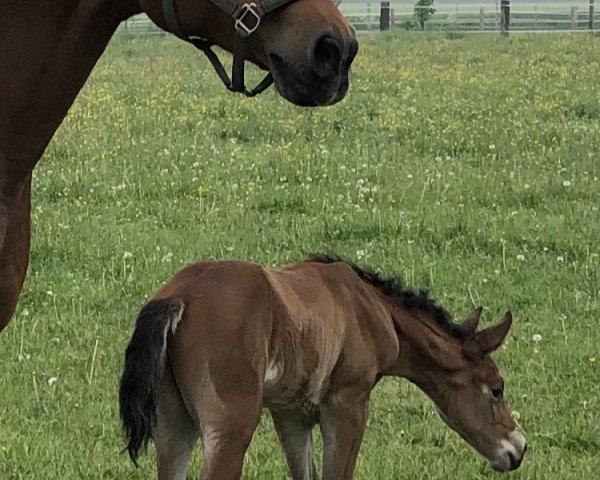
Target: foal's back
[286,336]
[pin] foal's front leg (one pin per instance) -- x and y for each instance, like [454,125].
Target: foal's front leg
[343,422]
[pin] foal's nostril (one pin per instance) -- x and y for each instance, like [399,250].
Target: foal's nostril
[327,56]
[513,461]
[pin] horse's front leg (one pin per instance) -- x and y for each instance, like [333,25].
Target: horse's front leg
[15,204]
[343,422]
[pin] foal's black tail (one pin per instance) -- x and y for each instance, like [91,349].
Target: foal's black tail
[144,364]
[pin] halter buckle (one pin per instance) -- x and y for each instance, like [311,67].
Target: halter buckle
[248,12]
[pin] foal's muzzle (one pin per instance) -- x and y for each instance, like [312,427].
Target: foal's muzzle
[511,453]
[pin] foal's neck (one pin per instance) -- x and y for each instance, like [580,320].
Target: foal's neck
[425,349]
[49,52]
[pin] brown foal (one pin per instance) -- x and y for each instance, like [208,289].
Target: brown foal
[309,342]
[49,47]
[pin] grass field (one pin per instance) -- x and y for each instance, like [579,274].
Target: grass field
[469,166]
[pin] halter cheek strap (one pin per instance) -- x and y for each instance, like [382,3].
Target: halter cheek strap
[247,18]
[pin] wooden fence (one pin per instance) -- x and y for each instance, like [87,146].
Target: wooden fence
[473,17]
[460,17]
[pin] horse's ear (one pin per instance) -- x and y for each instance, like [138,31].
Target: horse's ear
[472,321]
[488,340]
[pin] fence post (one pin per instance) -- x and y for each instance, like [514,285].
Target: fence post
[481,19]
[393,17]
[369,16]
[591,16]
[504,17]
[384,16]
[574,15]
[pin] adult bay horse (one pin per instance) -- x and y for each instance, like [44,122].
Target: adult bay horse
[222,340]
[49,47]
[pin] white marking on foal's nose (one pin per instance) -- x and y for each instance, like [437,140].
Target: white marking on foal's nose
[517,439]
[510,449]
[507,447]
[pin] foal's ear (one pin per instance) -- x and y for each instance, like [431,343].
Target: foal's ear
[472,321]
[488,340]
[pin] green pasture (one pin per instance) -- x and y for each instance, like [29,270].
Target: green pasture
[466,165]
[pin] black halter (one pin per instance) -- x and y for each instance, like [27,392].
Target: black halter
[247,19]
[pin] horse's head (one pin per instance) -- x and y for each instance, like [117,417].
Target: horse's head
[307,45]
[458,374]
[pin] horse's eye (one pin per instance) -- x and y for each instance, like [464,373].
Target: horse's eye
[497,393]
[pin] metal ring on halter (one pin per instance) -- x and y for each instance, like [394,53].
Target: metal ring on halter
[242,14]
[248,10]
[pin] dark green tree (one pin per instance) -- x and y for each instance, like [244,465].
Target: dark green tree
[423,11]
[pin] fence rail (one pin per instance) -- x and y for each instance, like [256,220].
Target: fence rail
[464,17]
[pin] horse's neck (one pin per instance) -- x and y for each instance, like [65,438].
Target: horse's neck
[47,54]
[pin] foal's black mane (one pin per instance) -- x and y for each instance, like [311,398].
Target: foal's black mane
[393,288]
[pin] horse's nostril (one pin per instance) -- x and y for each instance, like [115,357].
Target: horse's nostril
[352,52]
[327,55]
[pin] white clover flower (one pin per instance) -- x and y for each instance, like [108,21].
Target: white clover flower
[127,255]
[560,258]
[521,257]
[566,183]
[516,415]
[52,380]
[360,253]
[537,338]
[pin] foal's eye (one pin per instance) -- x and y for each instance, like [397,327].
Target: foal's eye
[497,393]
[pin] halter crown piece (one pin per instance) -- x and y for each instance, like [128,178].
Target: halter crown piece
[247,18]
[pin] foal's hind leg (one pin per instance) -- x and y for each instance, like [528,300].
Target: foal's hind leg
[226,407]
[296,440]
[175,434]
[227,432]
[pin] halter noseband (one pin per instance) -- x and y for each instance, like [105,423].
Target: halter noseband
[247,19]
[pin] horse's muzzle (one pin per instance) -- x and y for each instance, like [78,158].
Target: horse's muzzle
[324,79]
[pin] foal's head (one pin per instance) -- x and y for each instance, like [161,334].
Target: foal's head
[453,366]
[307,45]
